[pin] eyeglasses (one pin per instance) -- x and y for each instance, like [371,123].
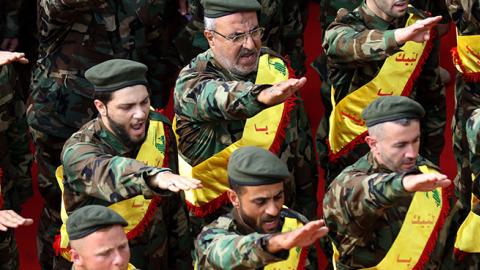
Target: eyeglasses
[256,33]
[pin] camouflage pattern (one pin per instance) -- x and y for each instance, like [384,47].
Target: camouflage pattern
[211,107]
[366,41]
[229,243]
[284,22]
[8,249]
[364,210]
[15,159]
[328,12]
[467,99]
[75,35]
[100,169]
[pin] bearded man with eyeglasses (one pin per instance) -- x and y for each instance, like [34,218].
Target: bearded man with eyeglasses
[238,93]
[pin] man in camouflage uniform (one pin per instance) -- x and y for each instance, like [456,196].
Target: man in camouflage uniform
[250,237]
[99,165]
[367,204]
[75,35]
[465,133]
[284,22]
[357,44]
[15,159]
[215,94]
[97,239]
[328,13]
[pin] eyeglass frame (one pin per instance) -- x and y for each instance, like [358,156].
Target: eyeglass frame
[236,36]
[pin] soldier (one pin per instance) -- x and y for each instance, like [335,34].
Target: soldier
[124,159]
[467,93]
[380,49]
[97,239]
[389,207]
[466,245]
[259,232]
[284,22]
[74,36]
[15,158]
[216,98]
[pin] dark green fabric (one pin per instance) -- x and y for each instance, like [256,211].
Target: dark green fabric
[391,108]
[89,219]
[220,8]
[254,166]
[116,74]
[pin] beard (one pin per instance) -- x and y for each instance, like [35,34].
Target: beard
[121,132]
[238,69]
[252,223]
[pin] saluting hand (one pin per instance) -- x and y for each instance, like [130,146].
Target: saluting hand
[425,182]
[279,92]
[9,57]
[302,237]
[418,32]
[175,182]
[10,219]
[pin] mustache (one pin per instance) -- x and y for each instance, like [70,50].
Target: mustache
[245,52]
[269,218]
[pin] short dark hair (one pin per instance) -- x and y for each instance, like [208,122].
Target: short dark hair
[235,187]
[103,96]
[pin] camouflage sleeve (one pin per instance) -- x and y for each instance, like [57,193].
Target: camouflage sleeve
[306,173]
[222,249]
[473,137]
[349,41]
[67,10]
[180,240]
[356,199]
[20,156]
[292,36]
[88,170]
[203,98]
[11,29]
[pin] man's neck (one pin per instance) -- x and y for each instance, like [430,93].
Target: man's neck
[377,11]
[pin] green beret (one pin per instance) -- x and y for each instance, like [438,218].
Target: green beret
[116,74]
[220,8]
[254,166]
[91,218]
[391,108]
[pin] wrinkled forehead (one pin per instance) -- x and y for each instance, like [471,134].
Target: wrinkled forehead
[239,22]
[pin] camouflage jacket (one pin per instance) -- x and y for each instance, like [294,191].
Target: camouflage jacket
[15,156]
[99,169]
[329,9]
[466,15]
[9,24]
[75,35]
[473,136]
[364,209]
[284,22]
[229,243]
[211,107]
[357,44]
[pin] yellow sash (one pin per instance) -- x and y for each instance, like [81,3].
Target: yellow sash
[134,210]
[466,56]
[468,232]
[260,130]
[417,229]
[296,256]
[295,260]
[394,78]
